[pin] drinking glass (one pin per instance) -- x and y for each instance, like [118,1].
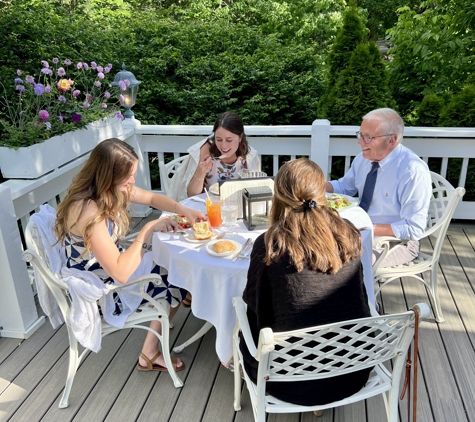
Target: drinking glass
[214,211]
[229,213]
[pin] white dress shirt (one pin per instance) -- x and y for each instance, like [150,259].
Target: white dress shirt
[402,193]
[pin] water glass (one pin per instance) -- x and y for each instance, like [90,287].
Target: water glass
[229,213]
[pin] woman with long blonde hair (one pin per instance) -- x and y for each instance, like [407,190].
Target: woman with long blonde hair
[305,271]
[93,217]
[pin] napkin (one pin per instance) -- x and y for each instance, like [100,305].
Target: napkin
[169,236]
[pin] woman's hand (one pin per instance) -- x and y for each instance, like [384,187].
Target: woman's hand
[204,167]
[193,216]
[164,225]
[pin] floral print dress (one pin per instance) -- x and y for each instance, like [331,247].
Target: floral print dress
[222,171]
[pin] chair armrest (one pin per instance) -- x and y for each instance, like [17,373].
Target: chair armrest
[423,309]
[241,319]
[155,278]
[383,242]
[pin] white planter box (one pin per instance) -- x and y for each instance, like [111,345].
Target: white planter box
[39,159]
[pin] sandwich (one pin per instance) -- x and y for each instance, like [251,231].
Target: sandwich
[202,230]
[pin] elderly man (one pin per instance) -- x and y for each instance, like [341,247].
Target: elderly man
[393,184]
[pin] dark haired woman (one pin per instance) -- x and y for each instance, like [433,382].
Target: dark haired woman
[94,216]
[221,156]
[305,271]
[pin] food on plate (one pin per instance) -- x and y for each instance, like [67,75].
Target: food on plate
[202,230]
[181,220]
[222,246]
[337,202]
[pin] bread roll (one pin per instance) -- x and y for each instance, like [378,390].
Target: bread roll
[222,246]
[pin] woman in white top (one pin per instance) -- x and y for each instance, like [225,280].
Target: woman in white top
[227,141]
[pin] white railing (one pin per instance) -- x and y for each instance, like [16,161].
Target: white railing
[321,142]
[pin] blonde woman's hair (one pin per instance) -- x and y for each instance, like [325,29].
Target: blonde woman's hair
[110,163]
[303,226]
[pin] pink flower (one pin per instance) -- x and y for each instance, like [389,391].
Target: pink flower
[79,65]
[97,84]
[100,75]
[86,105]
[104,105]
[65,85]
[44,115]
[89,97]
[76,92]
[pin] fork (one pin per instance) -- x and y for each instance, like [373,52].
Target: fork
[220,236]
[244,249]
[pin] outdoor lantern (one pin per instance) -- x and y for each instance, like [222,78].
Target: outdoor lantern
[256,203]
[128,96]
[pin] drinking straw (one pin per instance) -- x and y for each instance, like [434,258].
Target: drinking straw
[207,194]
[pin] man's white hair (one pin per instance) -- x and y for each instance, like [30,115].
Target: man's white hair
[390,121]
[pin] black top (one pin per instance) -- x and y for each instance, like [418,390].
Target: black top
[283,299]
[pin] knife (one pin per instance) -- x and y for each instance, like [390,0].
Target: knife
[220,236]
[245,246]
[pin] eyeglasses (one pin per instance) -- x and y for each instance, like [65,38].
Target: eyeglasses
[367,139]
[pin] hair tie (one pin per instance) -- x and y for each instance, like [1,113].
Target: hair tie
[308,204]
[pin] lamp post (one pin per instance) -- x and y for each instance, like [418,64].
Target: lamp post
[128,86]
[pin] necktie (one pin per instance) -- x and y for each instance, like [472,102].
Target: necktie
[369,186]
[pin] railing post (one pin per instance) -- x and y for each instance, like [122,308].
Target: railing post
[320,144]
[18,316]
[142,178]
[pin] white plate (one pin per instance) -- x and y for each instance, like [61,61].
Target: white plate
[353,201]
[211,251]
[189,236]
[214,189]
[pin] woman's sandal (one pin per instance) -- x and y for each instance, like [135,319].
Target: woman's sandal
[155,366]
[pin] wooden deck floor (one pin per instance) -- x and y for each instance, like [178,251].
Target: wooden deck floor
[108,388]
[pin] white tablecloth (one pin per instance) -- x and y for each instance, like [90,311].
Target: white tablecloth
[214,281]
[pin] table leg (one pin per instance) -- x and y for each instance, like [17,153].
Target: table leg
[202,331]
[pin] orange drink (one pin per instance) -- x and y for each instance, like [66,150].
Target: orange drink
[214,212]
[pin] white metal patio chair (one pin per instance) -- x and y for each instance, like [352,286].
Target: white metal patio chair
[375,340]
[149,311]
[442,206]
[168,170]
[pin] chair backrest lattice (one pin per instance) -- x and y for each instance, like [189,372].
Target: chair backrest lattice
[442,205]
[339,348]
[168,170]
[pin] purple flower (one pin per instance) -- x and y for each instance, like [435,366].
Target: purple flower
[39,89]
[44,115]
[18,81]
[67,62]
[100,75]
[107,69]
[89,97]
[119,115]
[127,82]
[122,85]
[46,71]
[30,79]
[107,95]
[62,98]
[86,66]
[20,88]
[76,118]
[79,65]
[61,118]
[100,69]
[55,60]
[76,92]
[48,89]
[61,71]
[18,72]
[86,105]
[45,63]
[104,105]
[109,66]
[97,84]
[48,125]
[122,98]
[93,65]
